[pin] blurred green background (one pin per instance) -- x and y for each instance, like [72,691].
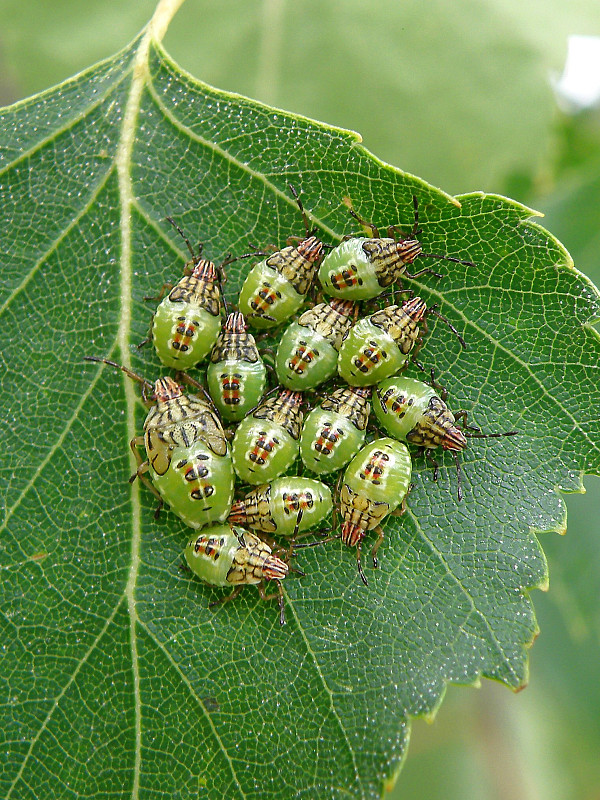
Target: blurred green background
[459,93]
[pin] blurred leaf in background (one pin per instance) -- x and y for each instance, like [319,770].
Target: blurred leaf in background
[459,94]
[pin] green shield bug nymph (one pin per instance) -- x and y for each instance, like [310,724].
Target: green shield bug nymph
[335,431]
[275,288]
[266,443]
[186,324]
[236,374]
[361,268]
[414,412]
[284,507]
[379,345]
[187,455]
[230,556]
[308,350]
[198,485]
[375,483]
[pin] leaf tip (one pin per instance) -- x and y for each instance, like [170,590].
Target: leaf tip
[543,586]
[523,685]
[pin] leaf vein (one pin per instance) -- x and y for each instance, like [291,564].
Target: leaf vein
[44,462]
[157,229]
[466,593]
[469,322]
[62,693]
[192,692]
[329,692]
[220,151]
[23,156]
[59,239]
[156,29]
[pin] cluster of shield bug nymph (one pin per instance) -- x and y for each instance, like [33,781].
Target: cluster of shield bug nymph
[345,344]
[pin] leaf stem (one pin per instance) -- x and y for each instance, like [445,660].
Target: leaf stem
[161,19]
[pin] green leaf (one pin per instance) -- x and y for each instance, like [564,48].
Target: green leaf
[118,678]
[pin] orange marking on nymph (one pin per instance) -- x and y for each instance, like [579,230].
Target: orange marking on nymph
[230,390]
[375,468]
[297,500]
[200,488]
[263,447]
[210,546]
[346,278]
[327,440]
[184,335]
[264,299]
[303,356]
[369,357]
[394,405]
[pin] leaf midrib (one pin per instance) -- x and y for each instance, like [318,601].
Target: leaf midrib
[123,164]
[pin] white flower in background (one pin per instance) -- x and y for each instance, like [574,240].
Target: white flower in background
[578,87]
